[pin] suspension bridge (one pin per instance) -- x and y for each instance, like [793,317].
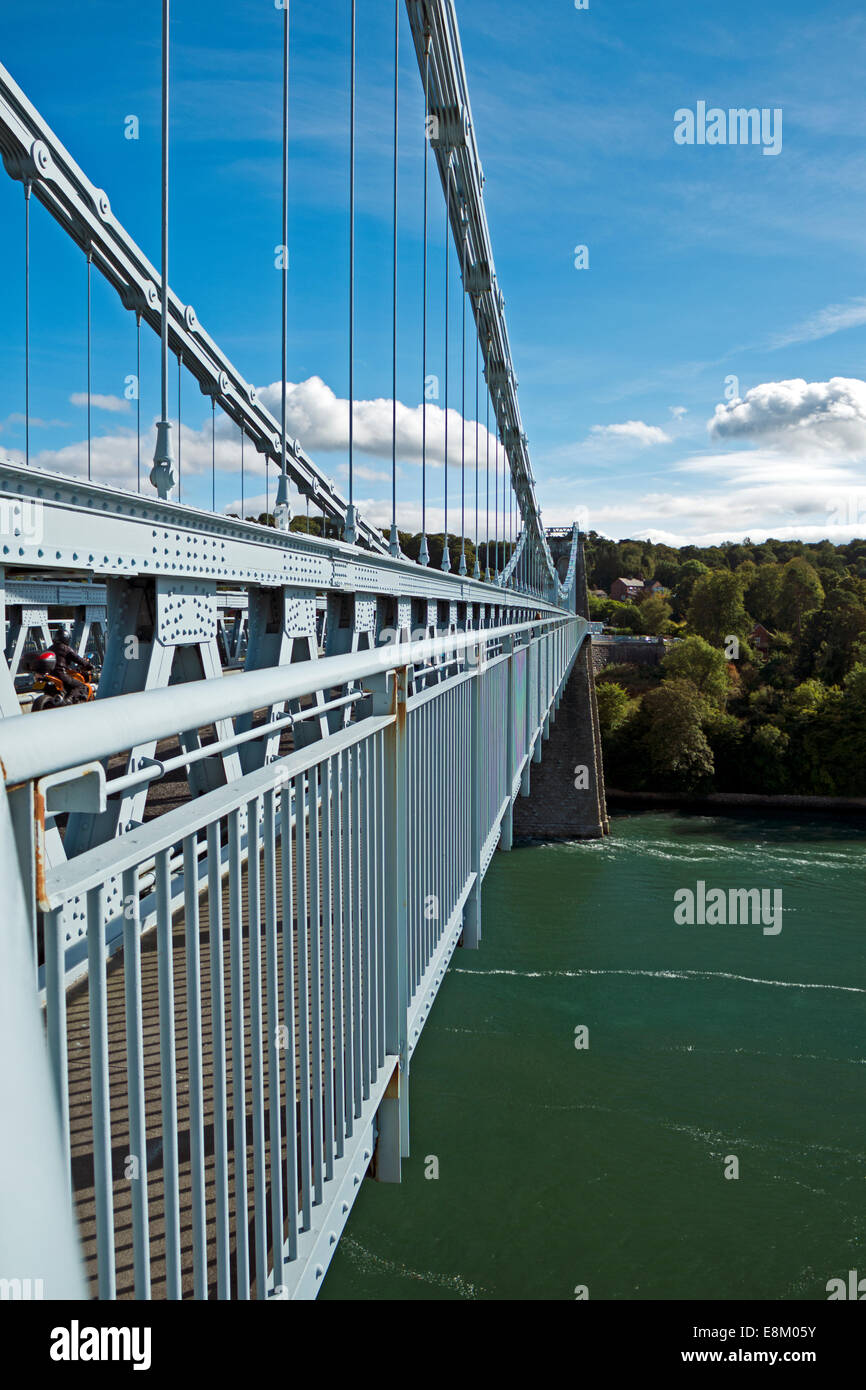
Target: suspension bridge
[235,880]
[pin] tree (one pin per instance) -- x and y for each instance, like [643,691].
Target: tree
[675,740]
[690,571]
[769,746]
[655,615]
[762,593]
[832,634]
[716,611]
[805,700]
[616,614]
[695,660]
[800,593]
[614,706]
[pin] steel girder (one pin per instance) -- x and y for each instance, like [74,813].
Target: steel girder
[32,153]
[459,165]
[86,527]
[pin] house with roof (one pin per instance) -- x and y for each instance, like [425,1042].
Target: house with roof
[760,639]
[625,589]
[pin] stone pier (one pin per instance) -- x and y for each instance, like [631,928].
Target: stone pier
[566,799]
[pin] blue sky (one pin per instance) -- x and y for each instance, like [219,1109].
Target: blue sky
[702,379]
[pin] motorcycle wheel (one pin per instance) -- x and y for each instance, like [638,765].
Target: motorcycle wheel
[45,702]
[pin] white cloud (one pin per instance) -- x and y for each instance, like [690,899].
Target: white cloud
[824,323]
[315,416]
[678,411]
[728,513]
[798,415]
[116,405]
[635,431]
[16,418]
[320,420]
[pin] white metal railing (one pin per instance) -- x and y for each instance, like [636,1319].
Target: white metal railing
[226,1079]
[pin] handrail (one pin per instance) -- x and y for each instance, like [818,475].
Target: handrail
[67,737]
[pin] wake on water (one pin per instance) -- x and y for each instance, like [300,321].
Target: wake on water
[662,975]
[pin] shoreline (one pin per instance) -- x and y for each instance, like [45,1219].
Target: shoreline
[736,801]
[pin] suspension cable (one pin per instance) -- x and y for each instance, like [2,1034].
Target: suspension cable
[463,420]
[89,364]
[27,321]
[496,499]
[476,572]
[394,539]
[162,474]
[350,534]
[424,553]
[213,453]
[282,514]
[487,521]
[446,558]
[138,399]
[179,430]
[243,518]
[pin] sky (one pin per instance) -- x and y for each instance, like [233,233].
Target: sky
[699,378]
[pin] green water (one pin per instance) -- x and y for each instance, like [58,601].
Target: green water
[605,1167]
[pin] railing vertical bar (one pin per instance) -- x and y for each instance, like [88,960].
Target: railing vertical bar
[339,975]
[418,799]
[328,959]
[290,1015]
[316,981]
[412,852]
[366,925]
[218,1031]
[349,965]
[429,802]
[273,1049]
[239,1085]
[357,974]
[257,1043]
[194,1052]
[101,1098]
[135,1080]
[55,1008]
[168,1075]
[442,867]
[431,885]
[458,787]
[451,715]
[300,786]
[380,842]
